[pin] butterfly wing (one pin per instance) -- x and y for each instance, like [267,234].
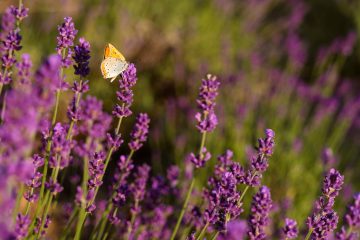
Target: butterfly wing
[112,67]
[111,51]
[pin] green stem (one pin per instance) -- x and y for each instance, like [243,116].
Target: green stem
[133,217]
[83,213]
[202,231]
[68,224]
[183,209]
[215,236]
[48,204]
[188,194]
[309,233]
[18,201]
[103,220]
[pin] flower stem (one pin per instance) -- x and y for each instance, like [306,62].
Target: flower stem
[188,194]
[215,236]
[103,220]
[18,201]
[202,231]
[83,213]
[48,204]
[309,234]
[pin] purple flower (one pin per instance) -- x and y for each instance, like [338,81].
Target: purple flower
[259,163]
[114,142]
[19,12]
[323,224]
[24,67]
[324,219]
[290,230]
[199,160]
[260,209]
[60,148]
[81,87]
[125,93]
[332,183]
[9,45]
[67,33]
[236,229]
[172,175]
[45,227]
[82,57]
[96,169]
[351,221]
[7,23]
[137,188]
[54,187]
[22,225]
[47,79]
[206,118]
[140,132]
[222,196]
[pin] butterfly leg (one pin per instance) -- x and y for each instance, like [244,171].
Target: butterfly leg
[113,79]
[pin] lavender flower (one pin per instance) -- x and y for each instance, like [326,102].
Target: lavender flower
[140,132]
[324,219]
[60,147]
[260,163]
[125,93]
[260,209]
[47,80]
[207,119]
[222,195]
[24,67]
[332,183]
[7,23]
[67,33]
[137,188]
[236,229]
[351,221]
[82,57]
[96,169]
[199,160]
[19,12]
[22,225]
[323,224]
[290,230]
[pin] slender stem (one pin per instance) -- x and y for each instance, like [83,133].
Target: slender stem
[103,220]
[215,236]
[18,201]
[183,209]
[309,233]
[68,224]
[188,194]
[202,231]
[83,213]
[133,216]
[48,204]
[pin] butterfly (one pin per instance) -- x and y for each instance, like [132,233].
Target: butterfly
[113,64]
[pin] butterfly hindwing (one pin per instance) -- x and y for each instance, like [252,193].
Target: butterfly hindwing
[111,51]
[112,67]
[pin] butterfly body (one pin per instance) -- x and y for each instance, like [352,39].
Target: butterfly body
[113,64]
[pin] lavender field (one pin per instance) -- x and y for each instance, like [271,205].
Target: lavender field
[229,120]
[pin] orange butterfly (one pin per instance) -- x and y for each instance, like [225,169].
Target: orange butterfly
[113,64]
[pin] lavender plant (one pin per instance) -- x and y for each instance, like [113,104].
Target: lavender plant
[111,190]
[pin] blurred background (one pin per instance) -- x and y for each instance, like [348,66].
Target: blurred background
[289,65]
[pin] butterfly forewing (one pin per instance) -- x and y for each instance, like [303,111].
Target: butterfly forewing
[111,51]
